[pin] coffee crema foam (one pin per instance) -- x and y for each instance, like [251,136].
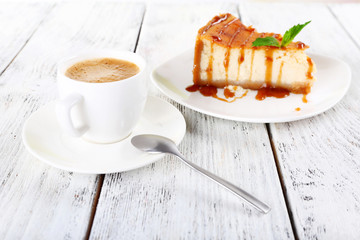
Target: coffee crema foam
[102,70]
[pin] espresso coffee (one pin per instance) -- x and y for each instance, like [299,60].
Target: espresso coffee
[102,70]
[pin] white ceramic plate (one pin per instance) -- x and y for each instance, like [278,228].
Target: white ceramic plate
[43,138]
[333,80]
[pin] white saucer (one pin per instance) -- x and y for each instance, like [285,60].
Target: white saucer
[333,81]
[43,138]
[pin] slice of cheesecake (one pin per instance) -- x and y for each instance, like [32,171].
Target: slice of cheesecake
[224,56]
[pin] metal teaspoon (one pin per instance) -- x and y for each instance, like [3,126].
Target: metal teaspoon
[158,144]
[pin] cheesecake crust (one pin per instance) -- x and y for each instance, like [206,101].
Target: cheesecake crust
[299,88]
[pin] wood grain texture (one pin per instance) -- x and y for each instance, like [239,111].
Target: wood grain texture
[348,15]
[319,157]
[167,200]
[38,201]
[14,30]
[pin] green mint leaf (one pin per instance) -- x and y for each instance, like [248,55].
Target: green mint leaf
[267,41]
[291,34]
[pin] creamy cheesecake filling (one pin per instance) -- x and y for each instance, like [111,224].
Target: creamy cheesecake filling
[250,68]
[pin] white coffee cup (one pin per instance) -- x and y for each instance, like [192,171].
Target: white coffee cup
[101,112]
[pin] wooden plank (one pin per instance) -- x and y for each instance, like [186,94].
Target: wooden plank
[167,200]
[38,201]
[318,157]
[15,30]
[348,15]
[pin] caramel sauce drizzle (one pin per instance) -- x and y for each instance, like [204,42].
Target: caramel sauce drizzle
[304,99]
[196,69]
[300,45]
[227,55]
[252,52]
[310,69]
[226,65]
[242,55]
[218,38]
[199,47]
[211,91]
[251,65]
[280,73]
[216,20]
[209,68]
[249,37]
[222,30]
[244,94]
[228,93]
[269,65]
[192,88]
[271,92]
[240,61]
[207,91]
[277,36]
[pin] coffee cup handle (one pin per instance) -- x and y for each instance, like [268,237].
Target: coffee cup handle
[63,112]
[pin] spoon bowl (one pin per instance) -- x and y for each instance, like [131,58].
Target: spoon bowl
[153,143]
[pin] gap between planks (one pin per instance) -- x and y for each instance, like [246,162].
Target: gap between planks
[94,205]
[102,176]
[31,35]
[141,24]
[283,187]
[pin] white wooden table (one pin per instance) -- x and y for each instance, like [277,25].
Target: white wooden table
[308,171]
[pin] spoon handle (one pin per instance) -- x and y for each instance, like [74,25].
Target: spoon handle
[262,207]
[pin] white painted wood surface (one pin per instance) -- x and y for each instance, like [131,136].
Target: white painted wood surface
[319,157]
[38,201]
[349,17]
[15,31]
[167,200]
